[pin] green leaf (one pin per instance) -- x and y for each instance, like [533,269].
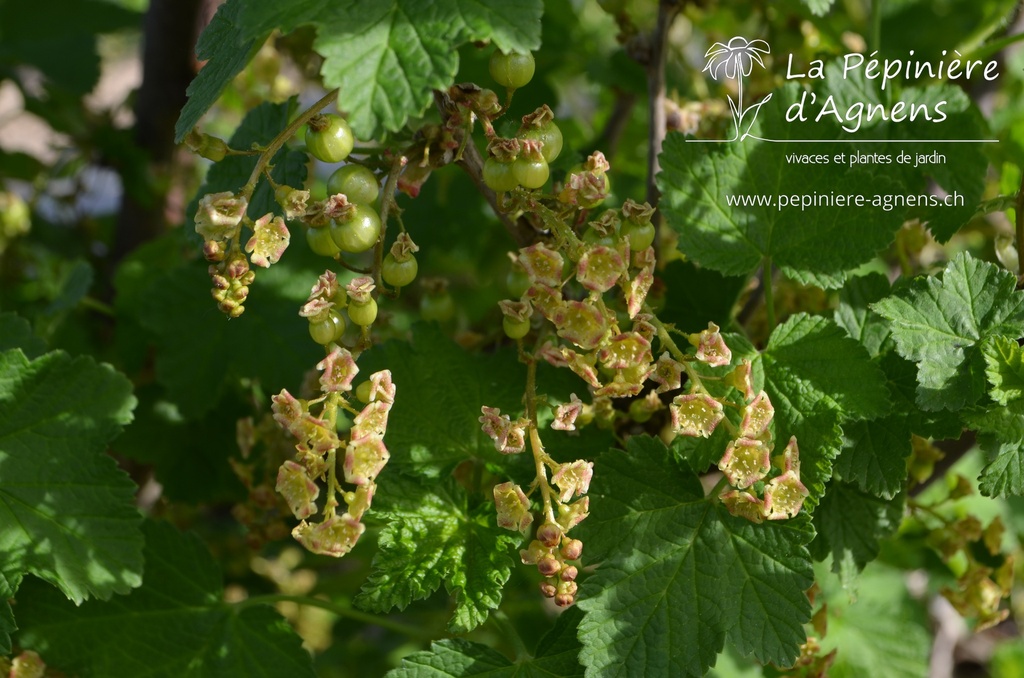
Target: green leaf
[432,536]
[816,377]
[849,524]
[939,324]
[1004,475]
[457,658]
[854,315]
[226,50]
[875,454]
[699,180]
[7,625]
[177,624]
[678,573]
[67,513]
[15,332]
[883,632]
[260,125]
[431,428]
[696,296]
[200,352]
[387,57]
[1004,367]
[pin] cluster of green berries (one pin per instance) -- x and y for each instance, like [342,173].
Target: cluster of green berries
[523,160]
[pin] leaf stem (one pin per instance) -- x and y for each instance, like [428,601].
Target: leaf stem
[387,201]
[279,141]
[876,24]
[339,609]
[508,630]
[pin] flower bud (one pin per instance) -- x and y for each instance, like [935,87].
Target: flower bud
[549,566]
[563,600]
[568,573]
[549,534]
[572,549]
[548,589]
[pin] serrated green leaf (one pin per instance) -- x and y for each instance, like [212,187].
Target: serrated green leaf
[849,524]
[387,57]
[854,315]
[456,658]
[696,296]
[816,377]
[698,181]
[7,625]
[260,125]
[176,625]
[939,324]
[875,454]
[1004,475]
[432,537]
[678,573]
[226,51]
[15,332]
[1004,367]
[67,513]
[431,428]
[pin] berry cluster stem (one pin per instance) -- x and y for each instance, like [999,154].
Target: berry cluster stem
[271,150]
[540,457]
[387,201]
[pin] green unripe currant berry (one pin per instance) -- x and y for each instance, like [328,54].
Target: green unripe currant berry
[321,242]
[329,138]
[363,314]
[357,183]
[358,232]
[328,329]
[511,70]
[552,138]
[638,412]
[499,176]
[517,281]
[515,329]
[399,273]
[363,391]
[530,173]
[437,307]
[641,236]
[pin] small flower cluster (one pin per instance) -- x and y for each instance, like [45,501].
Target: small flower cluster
[552,547]
[747,461]
[317,453]
[219,220]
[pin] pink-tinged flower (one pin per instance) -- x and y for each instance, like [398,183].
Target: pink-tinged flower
[640,213]
[757,416]
[547,300]
[627,382]
[743,504]
[508,437]
[573,479]
[791,457]
[668,374]
[582,365]
[219,215]
[28,664]
[784,496]
[711,348]
[737,58]
[364,459]
[360,289]
[316,433]
[334,537]
[625,350]
[413,177]
[516,440]
[513,507]
[571,515]
[581,323]
[745,462]
[338,207]
[316,308]
[298,489]
[551,353]
[696,414]
[325,287]
[360,500]
[742,379]
[339,369]
[287,409]
[372,420]
[636,289]
[292,201]
[566,413]
[516,311]
[600,267]
[381,387]
[269,240]
[542,264]
[642,326]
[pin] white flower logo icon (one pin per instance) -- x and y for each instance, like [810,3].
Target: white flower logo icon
[736,60]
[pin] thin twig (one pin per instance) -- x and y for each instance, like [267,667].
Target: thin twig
[611,135]
[1019,218]
[667,11]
